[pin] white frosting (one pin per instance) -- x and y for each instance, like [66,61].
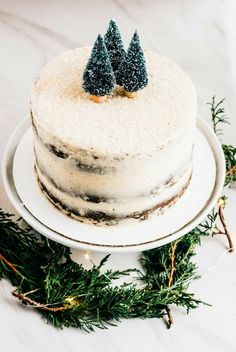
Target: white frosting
[119,125]
[133,146]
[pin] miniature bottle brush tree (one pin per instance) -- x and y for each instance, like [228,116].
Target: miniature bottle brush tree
[109,64]
[132,73]
[114,45]
[98,77]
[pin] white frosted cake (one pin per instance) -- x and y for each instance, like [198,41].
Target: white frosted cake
[124,158]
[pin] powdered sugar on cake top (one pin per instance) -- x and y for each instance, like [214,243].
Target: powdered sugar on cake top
[120,125]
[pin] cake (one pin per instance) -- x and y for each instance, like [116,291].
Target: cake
[119,160]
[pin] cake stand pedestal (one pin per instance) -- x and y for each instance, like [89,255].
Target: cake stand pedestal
[89,243]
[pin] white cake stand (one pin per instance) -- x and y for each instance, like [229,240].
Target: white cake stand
[89,243]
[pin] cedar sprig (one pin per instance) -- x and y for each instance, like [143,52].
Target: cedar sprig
[230,161]
[68,295]
[218,116]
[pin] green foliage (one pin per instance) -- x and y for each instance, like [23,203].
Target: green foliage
[89,296]
[66,294]
[29,252]
[218,118]
[98,77]
[230,159]
[114,45]
[218,115]
[132,73]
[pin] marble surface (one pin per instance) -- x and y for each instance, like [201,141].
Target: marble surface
[200,36]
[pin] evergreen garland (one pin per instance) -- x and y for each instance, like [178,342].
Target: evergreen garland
[132,73]
[45,278]
[98,77]
[114,45]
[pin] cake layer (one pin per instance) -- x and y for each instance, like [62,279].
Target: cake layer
[109,178]
[110,211]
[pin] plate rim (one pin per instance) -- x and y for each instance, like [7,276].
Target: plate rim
[7,165]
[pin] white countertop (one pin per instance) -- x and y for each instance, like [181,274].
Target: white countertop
[201,37]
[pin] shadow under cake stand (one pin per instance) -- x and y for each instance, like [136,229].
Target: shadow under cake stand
[89,243]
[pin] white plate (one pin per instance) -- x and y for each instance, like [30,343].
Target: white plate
[189,211]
